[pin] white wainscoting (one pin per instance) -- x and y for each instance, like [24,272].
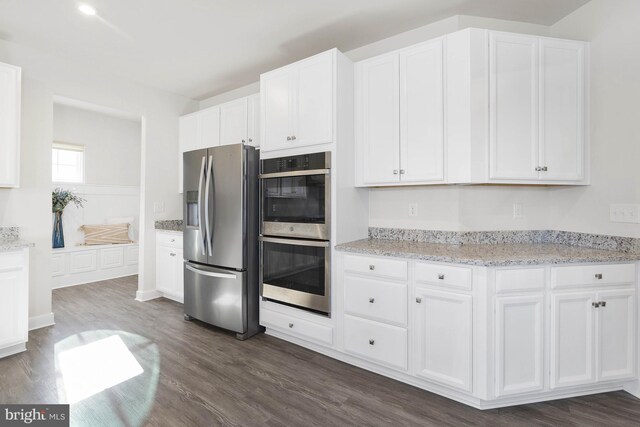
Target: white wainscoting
[85,264]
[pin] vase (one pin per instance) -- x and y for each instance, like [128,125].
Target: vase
[58,234]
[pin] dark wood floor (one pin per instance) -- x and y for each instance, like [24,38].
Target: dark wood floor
[200,376]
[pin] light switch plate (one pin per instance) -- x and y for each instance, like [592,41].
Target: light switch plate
[413,209]
[625,212]
[517,210]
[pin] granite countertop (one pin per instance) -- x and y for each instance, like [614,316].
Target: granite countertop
[14,245]
[169,225]
[503,254]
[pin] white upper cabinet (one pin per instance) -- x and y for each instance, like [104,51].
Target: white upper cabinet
[400,116]
[197,130]
[562,107]
[422,113]
[10,76]
[507,108]
[378,120]
[209,122]
[253,117]
[298,103]
[233,122]
[513,106]
[536,108]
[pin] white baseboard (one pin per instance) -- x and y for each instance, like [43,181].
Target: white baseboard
[633,388]
[8,351]
[37,322]
[147,295]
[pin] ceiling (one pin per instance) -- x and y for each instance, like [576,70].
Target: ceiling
[199,48]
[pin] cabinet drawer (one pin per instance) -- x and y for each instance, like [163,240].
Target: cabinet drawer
[380,267]
[11,260]
[444,275]
[519,279]
[169,239]
[295,326]
[602,274]
[375,299]
[376,341]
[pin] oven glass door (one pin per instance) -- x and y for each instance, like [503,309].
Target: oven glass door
[296,272]
[295,199]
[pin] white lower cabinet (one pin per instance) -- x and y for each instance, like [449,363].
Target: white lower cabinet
[593,336]
[169,265]
[14,301]
[443,337]
[519,325]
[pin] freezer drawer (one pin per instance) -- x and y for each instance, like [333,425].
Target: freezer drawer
[216,296]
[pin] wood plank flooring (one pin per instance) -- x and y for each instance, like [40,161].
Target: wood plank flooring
[194,375]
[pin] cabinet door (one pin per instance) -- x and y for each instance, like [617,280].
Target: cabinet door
[209,135]
[616,334]
[276,103]
[513,106]
[313,116]
[13,307]
[519,344]
[422,113]
[189,132]
[378,119]
[166,269]
[562,109]
[572,339]
[233,122]
[253,128]
[9,125]
[444,338]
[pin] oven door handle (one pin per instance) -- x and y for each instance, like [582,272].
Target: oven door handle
[295,173]
[296,242]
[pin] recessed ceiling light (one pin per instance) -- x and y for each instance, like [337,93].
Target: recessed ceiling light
[87,9]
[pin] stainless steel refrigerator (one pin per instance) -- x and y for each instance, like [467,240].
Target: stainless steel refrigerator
[221,207]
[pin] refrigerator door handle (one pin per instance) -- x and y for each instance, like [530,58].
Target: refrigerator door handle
[200,227]
[210,273]
[209,237]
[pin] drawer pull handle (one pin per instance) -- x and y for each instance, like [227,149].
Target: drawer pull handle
[372,342]
[372,267]
[418,300]
[441,276]
[372,300]
[599,276]
[291,325]
[595,304]
[172,254]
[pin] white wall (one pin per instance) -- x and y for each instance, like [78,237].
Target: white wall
[30,206]
[111,144]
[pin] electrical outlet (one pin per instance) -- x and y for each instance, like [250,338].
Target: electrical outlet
[158,207]
[625,212]
[413,209]
[517,210]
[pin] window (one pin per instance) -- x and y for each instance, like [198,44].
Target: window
[67,162]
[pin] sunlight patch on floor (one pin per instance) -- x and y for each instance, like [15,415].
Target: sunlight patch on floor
[92,368]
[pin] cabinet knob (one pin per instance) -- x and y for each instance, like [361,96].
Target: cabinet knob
[293,138]
[544,169]
[441,276]
[599,276]
[250,140]
[395,171]
[372,342]
[172,254]
[243,141]
[173,240]
[418,300]
[291,325]
[538,168]
[603,303]
[288,138]
[401,171]
[372,267]
[595,304]
[372,300]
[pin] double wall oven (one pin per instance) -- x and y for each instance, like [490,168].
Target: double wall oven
[296,230]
